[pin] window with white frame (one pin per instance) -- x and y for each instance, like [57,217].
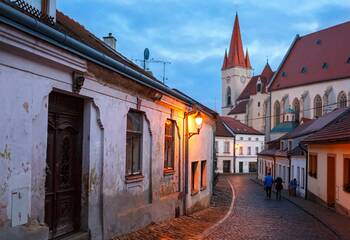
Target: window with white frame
[226,147]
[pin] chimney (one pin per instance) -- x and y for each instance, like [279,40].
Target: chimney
[110,40]
[51,9]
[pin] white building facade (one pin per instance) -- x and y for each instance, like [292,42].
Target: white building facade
[109,135]
[237,152]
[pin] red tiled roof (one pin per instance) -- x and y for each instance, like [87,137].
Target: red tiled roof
[247,60]
[239,108]
[239,128]
[329,46]
[336,131]
[221,130]
[315,124]
[250,89]
[75,30]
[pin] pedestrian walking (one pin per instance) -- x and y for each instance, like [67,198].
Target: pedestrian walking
[290,188]
[295,185]
[279,187]
[268,181]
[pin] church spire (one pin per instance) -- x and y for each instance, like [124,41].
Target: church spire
[224,65]
[236,54]
[247,60]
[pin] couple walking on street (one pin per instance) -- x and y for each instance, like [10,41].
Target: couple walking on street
[268,183]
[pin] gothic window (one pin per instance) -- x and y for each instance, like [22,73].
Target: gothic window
[169,145]
[342,100]
[296,108]
[133,143]
[228,97]
[317,106]
[277,111]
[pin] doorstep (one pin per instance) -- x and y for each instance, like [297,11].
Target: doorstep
[77,236]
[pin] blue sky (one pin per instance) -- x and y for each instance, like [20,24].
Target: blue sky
[193,34]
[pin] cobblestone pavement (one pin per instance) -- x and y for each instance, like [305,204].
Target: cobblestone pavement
[188,227]
[254,217]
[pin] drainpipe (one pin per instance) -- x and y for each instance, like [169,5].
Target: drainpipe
[234,153]
[306,169]
[186,155]
[274,167]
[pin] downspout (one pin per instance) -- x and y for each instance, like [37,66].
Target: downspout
[274,167]
[186,161]
[306,169]
[234,153]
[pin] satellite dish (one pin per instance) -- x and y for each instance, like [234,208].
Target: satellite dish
[146,54]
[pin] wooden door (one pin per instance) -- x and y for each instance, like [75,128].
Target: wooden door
[241,167]
[227,166]
[63,169]
[331,180]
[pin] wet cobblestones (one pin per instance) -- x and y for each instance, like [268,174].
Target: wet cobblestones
[254,217]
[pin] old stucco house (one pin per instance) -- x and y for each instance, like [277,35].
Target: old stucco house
[90,145]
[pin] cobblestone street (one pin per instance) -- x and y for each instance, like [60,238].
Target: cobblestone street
[253,217]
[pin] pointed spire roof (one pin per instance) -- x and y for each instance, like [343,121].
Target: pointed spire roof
[247,60]
[224,65]
[267,71]
[236,54]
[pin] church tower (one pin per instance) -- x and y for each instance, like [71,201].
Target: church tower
[236,70]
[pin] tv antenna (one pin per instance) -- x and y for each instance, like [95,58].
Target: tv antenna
[146,60]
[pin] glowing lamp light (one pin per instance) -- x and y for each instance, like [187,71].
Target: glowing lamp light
[199,120]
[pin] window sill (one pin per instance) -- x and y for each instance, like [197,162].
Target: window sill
[195,192]
[203,188]
[227,152]
[134,178]
[168,172]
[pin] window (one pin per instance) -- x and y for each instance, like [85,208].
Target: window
[284,74]
[258,87]
[284,174]
[216,146]
[241,138]
[277,113]
[296,108]
[134,143]
[298,175]
[228,96]
[313,165]
[194,177]
[317,106]
[249,139]
[241,150]
[227,147]
[203,174]
[169,145]
[249,151]
[256,139]
[302,181]
[303,69]
[347,174]
[342,100]
[292,172]
[256,150]
[325,65]
[290,145]
[282,145]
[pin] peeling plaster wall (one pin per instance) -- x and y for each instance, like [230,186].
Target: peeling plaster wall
[110,205]
[201,148]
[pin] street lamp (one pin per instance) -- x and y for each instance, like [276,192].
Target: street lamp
[199,121]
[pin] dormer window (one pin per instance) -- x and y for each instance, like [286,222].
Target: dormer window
[318,41]
[303,70]
[259,86]
[284,74]
[325,65]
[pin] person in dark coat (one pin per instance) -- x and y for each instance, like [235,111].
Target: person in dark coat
[279,187]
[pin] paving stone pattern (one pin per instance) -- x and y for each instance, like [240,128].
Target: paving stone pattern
[255,217]
[188,227]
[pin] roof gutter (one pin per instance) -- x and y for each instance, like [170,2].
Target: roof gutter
[32,26]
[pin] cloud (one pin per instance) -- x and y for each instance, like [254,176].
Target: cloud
[306,27]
